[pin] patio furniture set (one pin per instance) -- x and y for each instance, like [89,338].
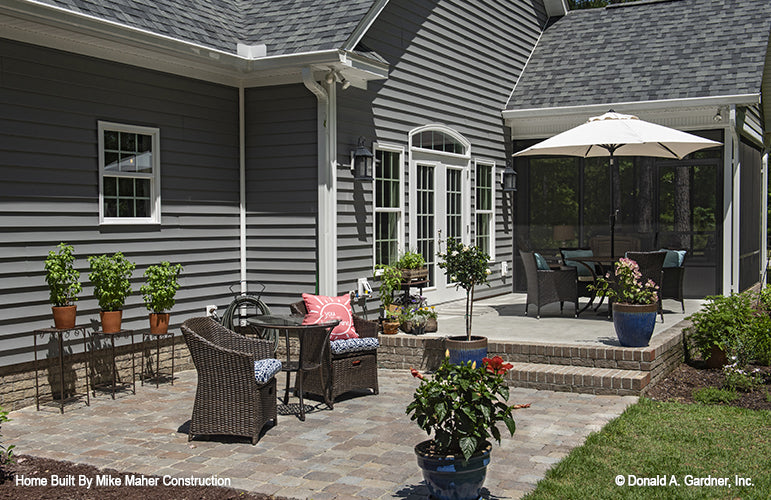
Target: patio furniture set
[236,392]
[579,268]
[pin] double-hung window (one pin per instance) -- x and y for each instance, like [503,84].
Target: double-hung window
[129,174]
[389,203]
[485,203]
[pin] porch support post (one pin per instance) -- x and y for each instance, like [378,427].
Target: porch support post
[242,187]
[326,234]
[763,217]
[731,204]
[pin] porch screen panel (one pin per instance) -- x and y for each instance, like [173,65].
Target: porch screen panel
[426,216]
[454,205]
[749,239]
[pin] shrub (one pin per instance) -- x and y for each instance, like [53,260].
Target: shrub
[161,286]
[738,378]
[721,322]
[6,452]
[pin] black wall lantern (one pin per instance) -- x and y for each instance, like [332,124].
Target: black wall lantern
[509,179]
[361,162]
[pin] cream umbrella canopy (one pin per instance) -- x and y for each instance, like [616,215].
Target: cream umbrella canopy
[615,134]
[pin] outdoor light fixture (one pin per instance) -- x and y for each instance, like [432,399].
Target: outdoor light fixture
[509,179]
[346,83]
[361,162]
[718,116]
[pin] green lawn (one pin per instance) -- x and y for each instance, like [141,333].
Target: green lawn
[666,441]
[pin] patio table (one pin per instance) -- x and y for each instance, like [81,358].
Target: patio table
[605,263]
[286,324]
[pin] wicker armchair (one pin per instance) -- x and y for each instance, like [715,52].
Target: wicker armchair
[651,268]
[228,399]
[672,281]
[548,286]
[347,371]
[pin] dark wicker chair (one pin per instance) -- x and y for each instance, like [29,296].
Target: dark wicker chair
[344,372]
[672,283]
[228,399]
[548,286]
[651,267]
[587,273]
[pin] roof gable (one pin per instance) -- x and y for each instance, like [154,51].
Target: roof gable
[671,49]
[285,26]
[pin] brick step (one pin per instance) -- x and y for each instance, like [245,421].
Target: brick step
[585,379]
[624,358]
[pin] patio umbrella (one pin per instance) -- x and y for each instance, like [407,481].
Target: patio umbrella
[614,134]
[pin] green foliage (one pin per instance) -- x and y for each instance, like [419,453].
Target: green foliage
[161,286]
[461,405]
[466,267]
[722,322]
[390,281]
[62,277]
[626,286]
[6,452]
[411,260]
[111,278]
[738,378]
[713,395]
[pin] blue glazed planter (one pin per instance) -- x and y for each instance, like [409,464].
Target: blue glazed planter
[450,477]
[634,323]
[462,350]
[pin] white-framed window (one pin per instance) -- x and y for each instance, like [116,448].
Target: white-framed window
[484,207]
[388,203]
[129,174]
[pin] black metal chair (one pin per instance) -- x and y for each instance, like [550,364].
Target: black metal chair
[314,355]
[651,267]
[549,286]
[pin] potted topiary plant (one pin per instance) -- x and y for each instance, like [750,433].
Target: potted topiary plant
[158,292]
[111,277]
[64,285]
[466,267]
[461,405]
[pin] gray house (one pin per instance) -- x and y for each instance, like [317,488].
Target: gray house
[218,134]
[695,65]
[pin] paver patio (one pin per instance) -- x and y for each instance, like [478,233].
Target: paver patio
[360,450]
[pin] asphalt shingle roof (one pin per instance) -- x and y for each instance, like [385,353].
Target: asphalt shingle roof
[285,26]
[663,49]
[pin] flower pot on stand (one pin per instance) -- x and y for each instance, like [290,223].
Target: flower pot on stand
[111,321]
[634,323]
[450,477]
[463,350]
[64,316]
[159,323]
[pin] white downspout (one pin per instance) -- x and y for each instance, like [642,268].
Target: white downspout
[242,186]
[327,182]
[732,196]
[763,216]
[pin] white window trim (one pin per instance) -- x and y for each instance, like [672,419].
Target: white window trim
[390,148]
[492,211]
[155,177]
[447,130]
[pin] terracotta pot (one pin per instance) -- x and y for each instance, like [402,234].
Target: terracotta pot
[159,323]
[64,316]
[111,321]
[717,358]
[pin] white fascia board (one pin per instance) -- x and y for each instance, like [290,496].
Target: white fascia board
[42,24]
[365,24]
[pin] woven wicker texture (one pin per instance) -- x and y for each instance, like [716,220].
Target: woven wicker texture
[545,287]
[343,372]
[228,399]
[651,268]
[672,283]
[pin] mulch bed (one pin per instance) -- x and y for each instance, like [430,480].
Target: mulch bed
[35,467]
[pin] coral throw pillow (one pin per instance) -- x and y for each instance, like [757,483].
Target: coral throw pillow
[322,309]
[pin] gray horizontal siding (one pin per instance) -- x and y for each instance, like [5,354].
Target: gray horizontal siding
[281,180]
[50,103]
[451,62]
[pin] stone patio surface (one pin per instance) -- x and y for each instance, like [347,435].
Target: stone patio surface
[363,449]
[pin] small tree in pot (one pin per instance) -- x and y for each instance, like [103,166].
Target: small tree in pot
[158,292]
[111,277]
[64,285]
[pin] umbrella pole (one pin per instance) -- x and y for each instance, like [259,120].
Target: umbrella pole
[612,220]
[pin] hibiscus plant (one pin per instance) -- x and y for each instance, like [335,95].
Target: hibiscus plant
[461,404]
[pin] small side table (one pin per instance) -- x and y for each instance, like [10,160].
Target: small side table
[96,334]
[60,334]
[145,337]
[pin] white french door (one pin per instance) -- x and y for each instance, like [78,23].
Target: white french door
[439,209]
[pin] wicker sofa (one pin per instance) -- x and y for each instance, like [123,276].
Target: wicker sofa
[228,399]
[347,371]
